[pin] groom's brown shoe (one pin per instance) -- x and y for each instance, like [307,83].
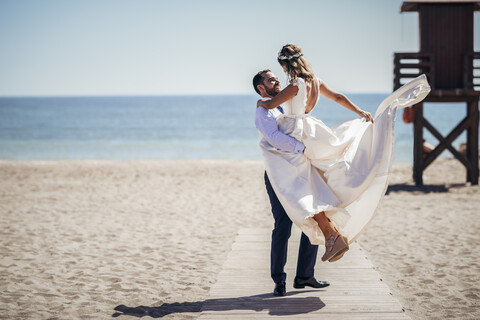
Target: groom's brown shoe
[300,283]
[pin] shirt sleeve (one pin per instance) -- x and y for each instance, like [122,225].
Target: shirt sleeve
[268,127]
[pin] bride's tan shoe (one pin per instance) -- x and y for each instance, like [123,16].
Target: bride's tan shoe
[337,243]
[340,254]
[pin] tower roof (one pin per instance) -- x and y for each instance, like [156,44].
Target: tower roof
[412,5]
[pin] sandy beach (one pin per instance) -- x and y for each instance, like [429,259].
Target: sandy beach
[79,238]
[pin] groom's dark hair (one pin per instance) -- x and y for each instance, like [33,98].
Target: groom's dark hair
[258,79]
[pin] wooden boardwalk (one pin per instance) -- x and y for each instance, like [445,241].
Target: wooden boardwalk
[244,287]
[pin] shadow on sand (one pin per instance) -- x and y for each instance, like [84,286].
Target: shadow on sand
[276,306]
[440,188]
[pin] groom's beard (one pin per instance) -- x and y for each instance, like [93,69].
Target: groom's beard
[271,91]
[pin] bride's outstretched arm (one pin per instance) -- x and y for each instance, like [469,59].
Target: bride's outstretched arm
[342,100]
[286,94]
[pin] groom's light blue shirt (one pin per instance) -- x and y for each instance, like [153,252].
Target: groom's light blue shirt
[266,123]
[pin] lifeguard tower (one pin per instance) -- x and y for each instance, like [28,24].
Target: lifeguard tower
[446,56]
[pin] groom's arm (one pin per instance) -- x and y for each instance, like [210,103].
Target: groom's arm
[267,125]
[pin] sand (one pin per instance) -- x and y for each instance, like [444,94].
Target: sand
[80,238]
[425,242]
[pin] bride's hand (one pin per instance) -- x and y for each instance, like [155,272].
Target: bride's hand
[260,102]
[366,115]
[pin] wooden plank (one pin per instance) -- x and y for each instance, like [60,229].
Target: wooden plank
[418,65]
[341,273]
[244,289]
[329,316]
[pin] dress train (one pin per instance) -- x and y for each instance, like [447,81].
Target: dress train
[344,169]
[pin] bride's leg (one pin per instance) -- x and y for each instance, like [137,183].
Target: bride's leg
[335,244]
[324,224]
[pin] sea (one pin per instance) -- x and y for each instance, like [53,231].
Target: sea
[172,127]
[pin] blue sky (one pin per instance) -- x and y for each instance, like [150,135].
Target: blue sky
[146,47]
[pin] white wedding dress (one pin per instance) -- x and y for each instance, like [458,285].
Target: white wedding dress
[344,169]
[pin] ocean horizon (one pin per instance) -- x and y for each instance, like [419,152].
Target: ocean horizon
[172,127]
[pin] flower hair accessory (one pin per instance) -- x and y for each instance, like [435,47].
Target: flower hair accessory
[296,55]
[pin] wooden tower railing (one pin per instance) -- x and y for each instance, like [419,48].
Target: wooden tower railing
[411,65]
[471,71]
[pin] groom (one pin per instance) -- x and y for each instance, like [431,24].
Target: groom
[267,86]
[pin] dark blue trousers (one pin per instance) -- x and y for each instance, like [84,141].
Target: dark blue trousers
[307,253]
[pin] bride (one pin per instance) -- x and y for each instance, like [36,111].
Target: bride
[333,189]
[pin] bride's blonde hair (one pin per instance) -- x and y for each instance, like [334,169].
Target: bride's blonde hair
[297,66]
